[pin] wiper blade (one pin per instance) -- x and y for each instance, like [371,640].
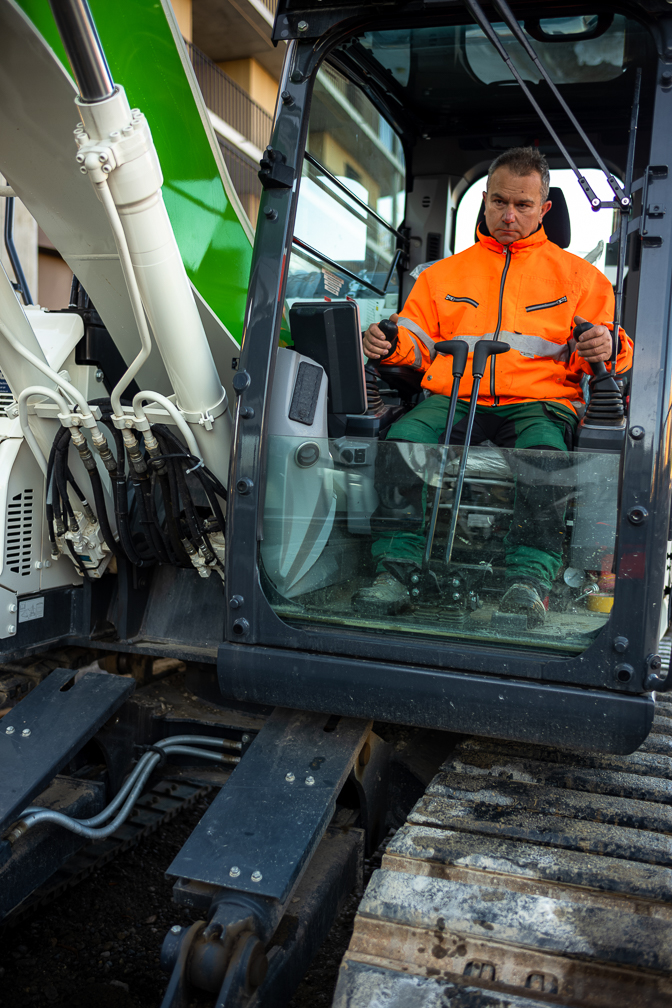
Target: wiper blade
[623,200]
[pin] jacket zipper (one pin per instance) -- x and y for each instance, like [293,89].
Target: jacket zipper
[495,335]
[546,304]
[474,304]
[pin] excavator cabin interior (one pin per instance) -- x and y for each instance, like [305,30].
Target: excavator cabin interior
[401,119]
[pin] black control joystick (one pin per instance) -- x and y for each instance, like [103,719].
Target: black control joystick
[390,331]
[375,405]
[603,425]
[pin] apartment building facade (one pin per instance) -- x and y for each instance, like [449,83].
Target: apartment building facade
[238,69]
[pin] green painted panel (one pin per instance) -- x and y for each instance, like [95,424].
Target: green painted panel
[143,57]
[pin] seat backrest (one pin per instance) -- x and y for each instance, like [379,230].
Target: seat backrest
[556,222]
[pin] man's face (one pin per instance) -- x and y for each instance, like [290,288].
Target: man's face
[513,207]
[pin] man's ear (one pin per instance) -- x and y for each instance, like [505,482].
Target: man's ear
[485,196]
[545,207]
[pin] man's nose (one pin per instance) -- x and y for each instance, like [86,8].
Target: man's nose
[510,214]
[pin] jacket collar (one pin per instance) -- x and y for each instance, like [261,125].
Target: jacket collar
[537,237]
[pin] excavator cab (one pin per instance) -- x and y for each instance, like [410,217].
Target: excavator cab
[224,508]
[387,125]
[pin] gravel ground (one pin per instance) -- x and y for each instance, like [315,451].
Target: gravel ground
[98,945]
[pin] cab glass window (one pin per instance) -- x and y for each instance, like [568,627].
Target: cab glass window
[351,202]
[570,55]
[324,536]
[445,73]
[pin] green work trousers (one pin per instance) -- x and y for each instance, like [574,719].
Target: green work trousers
[534,541]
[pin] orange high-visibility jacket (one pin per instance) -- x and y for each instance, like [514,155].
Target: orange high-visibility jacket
[526,295]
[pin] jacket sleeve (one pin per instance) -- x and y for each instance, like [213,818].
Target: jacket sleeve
[418,328]
[597,305]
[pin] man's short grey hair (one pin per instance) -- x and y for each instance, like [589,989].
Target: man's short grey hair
[524,161]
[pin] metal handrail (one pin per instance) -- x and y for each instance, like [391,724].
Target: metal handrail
[228,100]
[365,206]
[321,257]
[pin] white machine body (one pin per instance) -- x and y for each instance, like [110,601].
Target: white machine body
[42,388]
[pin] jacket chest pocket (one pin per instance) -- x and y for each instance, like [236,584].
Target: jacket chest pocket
[462,313]
[550,317]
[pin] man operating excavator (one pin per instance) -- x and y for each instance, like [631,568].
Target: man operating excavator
[517,286]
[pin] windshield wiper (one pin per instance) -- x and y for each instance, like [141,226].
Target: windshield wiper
[622,199]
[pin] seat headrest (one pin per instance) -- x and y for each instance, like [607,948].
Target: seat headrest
[556,221]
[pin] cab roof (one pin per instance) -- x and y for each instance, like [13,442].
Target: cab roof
[309,19]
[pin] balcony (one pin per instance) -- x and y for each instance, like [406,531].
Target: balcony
[243,128]
[237,29]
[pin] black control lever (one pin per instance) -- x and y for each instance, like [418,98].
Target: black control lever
[459,350]
[605,408]
[483,350]
[390,331]
[598,367]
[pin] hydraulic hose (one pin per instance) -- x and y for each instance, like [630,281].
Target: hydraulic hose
[126,798]
[101,511]
[173,742]
[211,485]
[61,383]
[171,408]
[152,533]
[181,556]
[25,425]
[200,740]
[86,507]
[120,493]
[53,497]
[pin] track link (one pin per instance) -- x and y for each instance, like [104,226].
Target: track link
[525,876]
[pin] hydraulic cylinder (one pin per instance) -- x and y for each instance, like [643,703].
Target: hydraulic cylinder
[116,150]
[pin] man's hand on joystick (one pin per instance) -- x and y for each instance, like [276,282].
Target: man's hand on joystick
[376,346]
[594,342]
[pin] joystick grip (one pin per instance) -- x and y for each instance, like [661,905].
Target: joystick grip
[598,367]
[605,408]
[457,349]
[389,329]
[483,350]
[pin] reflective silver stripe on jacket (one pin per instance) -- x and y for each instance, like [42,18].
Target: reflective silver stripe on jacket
[417,363]
[420,333]
[528,346]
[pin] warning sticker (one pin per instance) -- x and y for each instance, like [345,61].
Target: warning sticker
[32,608]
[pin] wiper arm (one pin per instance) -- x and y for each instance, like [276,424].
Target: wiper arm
[623,200]
[623,222]
[506,12]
